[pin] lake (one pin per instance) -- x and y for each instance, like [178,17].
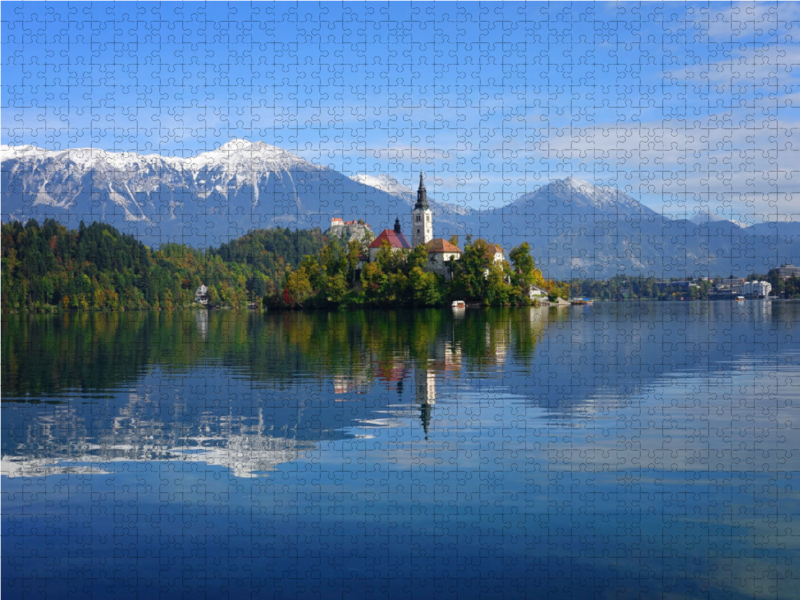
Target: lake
[644,450]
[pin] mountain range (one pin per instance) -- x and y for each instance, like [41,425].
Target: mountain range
[575,229]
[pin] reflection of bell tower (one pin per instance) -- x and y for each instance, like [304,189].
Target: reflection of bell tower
[425,418]
[425,389]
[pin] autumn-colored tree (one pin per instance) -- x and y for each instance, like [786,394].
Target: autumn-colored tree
[298,287]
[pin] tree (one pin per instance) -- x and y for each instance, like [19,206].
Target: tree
[469,277]
[524,266]
[337,288]
[417,258]
[427,288]
[298,287]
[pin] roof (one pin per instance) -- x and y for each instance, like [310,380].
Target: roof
[440,245]
[492,249]
[396,240]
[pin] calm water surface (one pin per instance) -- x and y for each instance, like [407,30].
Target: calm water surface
[612,451]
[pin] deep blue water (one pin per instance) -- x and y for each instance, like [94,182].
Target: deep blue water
[613,451]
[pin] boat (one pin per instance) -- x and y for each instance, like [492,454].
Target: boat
[581,301]
[739,298]
[459,304]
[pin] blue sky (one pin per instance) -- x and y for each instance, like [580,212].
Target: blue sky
[685,106]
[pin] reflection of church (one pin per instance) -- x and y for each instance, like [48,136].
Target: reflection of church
[425,393]
[445,359]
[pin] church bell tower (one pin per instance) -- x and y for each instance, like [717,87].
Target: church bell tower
[421,217]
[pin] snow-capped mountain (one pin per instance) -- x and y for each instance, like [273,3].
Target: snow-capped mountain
[707,216]
[575,228]
[199,200]
[384,182]
[572,195]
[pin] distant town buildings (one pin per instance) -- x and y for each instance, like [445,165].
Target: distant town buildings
[786,271]
[756,289]
[681,285]
[734,284]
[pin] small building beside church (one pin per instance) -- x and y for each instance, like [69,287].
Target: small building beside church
[440,253]
[397,241]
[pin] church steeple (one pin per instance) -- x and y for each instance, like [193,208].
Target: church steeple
[421,217]
[422,194]
[397,225]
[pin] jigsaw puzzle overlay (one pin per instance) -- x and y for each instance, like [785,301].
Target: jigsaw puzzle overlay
[447,300]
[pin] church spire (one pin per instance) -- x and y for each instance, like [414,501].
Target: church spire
[421,217]
[422,194]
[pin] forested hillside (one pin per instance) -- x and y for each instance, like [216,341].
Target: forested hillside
[47,266]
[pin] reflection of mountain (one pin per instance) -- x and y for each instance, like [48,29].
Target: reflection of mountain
[249,391]
[245,431]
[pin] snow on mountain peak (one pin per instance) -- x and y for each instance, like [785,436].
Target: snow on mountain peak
[243,156]
[384,182]
[595,195]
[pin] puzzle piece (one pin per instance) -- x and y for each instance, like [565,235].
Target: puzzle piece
[162,160]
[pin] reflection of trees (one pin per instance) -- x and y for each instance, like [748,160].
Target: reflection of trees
[264,385]
[99,359]
[46,355]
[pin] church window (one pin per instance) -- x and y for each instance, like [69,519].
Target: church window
[418,218]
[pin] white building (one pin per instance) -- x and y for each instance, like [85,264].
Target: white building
[756,289]
[494,252]
[786,271]
[201,295]
[534,292]
[497,252]
[440,253]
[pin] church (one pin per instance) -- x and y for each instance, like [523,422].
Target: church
[440,251]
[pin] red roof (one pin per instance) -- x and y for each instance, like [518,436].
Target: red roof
[440,245]
[396,240]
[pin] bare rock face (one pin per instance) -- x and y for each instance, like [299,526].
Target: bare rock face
[350,230]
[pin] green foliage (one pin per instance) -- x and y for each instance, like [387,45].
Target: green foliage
[271,251]
[97,268]
[470,274]
[47,267]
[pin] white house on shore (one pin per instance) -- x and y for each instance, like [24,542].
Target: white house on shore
[201,295]
[535,292]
